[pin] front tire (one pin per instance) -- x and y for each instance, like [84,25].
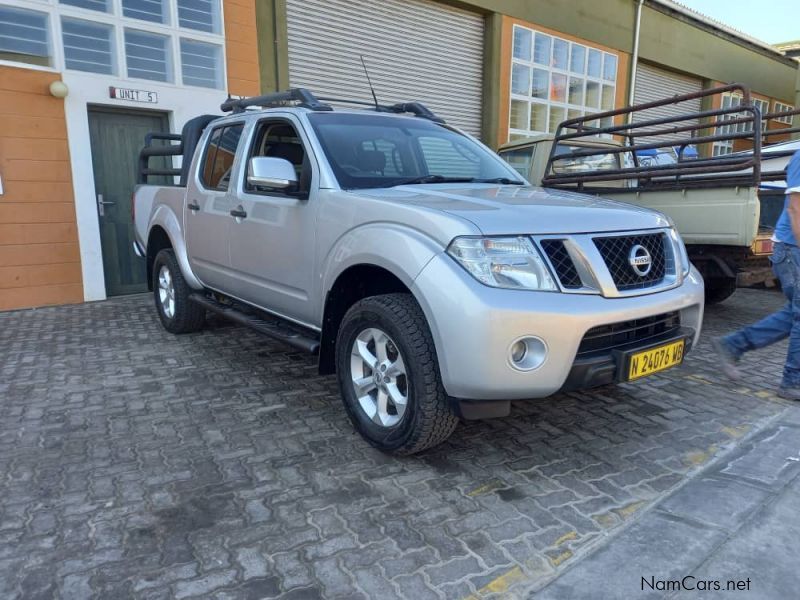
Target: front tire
[389,375]
[171,293]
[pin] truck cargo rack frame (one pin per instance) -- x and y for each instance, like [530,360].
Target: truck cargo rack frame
[706,126]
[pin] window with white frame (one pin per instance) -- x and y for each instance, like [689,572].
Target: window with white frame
[169,41]
[154,11]
[553,79]
[98,5]
[732,100]
[202,15]
[780,107]
[200,63]
[148,55]
[25,36]
[88,46]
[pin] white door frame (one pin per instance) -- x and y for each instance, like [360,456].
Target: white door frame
[181,104]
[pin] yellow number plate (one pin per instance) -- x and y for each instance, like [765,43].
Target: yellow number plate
[652,361]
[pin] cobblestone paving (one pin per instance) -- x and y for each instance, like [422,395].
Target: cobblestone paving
[138,464]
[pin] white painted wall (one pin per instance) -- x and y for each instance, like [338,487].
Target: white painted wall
[84,89]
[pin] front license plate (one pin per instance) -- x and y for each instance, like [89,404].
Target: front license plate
[654,360]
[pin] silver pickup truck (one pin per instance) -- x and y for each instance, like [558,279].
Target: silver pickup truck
[418,265]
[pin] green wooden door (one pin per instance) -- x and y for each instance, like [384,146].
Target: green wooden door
[116,138]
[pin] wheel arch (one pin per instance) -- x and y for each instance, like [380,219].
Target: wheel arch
[157,241]
[355,283]
[166,232]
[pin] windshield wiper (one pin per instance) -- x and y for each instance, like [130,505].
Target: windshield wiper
[435,179]
[503,180]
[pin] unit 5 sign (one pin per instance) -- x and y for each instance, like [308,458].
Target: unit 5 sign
[133,95]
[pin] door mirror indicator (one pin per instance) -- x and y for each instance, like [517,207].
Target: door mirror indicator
[272,172]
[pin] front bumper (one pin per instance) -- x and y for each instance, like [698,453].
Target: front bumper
[473,327]
[609,367]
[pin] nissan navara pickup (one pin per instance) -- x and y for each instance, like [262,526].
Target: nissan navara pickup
[420,267]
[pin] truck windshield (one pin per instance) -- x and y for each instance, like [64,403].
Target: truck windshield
[372,150]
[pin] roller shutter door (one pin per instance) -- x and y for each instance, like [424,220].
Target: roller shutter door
[414,50]
[654,84]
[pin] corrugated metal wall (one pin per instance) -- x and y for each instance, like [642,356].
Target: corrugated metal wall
[414,50]
[654,84]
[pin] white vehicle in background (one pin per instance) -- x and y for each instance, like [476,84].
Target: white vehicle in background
[725,207]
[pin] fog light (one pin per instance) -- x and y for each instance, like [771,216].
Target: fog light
[518,351]
[527,353]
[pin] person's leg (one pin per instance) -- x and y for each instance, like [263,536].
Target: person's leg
[777,326]
[790,385]
[768,330]
[772,328]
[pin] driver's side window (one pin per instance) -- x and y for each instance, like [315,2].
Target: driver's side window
[279,139]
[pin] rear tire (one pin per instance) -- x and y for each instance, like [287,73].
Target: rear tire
[389,376]
[171,293]
[719,289]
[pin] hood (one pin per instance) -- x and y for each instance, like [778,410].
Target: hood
[510,209]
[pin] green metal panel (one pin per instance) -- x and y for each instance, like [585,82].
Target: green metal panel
[116,138]
[606,22]
[273,47]
[677,44]
[491,68]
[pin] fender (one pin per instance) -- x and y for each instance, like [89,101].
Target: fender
[165,217]
[401,250]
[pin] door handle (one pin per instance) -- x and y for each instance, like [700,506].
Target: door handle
[193,205]
[101,204]
[239,214]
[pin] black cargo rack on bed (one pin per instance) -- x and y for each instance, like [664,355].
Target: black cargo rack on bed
[640,133]
[187,142]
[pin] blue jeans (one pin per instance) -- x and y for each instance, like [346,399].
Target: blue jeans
[780,325]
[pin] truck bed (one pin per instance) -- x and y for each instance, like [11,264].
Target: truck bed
[147,199]
[725,216]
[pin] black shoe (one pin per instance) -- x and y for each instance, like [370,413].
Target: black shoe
[727,359]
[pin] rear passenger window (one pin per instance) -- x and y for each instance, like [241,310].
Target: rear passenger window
[218,162]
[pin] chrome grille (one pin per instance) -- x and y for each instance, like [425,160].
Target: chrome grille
[616,254]
[562,263]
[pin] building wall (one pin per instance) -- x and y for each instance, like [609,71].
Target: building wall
[39,252]
[241,47]
[50,243]
[679,45]
[667,39]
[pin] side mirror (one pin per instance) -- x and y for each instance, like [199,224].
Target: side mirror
[269,171]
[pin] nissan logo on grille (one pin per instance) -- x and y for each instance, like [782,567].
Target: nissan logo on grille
[640,260]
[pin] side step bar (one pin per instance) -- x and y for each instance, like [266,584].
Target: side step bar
[274,327]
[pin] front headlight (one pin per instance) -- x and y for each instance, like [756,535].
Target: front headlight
[503,262]
[680,251]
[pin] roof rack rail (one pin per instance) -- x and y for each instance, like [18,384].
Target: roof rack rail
[306,99]
[415,108]
[302,96]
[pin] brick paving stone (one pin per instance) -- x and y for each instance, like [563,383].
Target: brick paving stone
[219,463]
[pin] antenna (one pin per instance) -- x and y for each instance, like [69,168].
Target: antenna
[371,89]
